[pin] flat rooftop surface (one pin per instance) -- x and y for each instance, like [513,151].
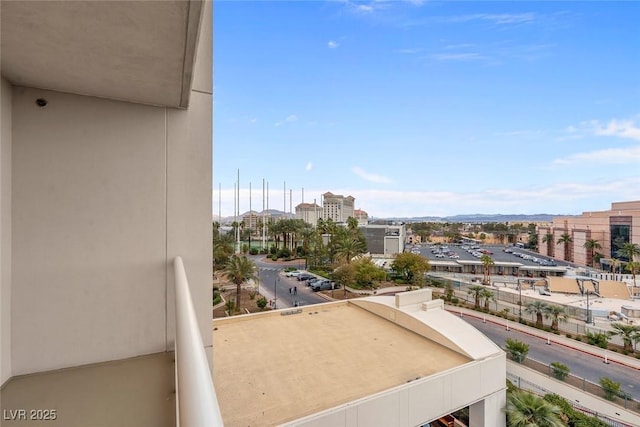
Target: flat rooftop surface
[272,368]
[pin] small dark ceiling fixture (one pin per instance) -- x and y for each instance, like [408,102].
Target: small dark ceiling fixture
[41,102]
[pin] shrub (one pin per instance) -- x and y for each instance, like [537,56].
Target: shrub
[253,251]
[597,338]
[578,338]
[569,336]
[284,253]
[454,300]
[518,350]
[261,303]
[559,370]
[610,387]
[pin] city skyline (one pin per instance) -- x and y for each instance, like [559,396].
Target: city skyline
[427,109]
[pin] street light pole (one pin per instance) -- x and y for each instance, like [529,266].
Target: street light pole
[520,301]
[275,292]
[588,313]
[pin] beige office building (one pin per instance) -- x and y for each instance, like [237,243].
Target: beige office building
[611,228]
[105,180]
[337,207]
[309,213]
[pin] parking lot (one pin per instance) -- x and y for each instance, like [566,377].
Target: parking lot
[508,259]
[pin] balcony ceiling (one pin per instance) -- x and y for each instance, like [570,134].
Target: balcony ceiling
[136,51]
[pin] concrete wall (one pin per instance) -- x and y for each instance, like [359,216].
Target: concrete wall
[5,231]
[105,194]
[423,400]
[189,188]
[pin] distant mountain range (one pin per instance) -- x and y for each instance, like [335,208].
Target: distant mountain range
[472,218]
[468,218]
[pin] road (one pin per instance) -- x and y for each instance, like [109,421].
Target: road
[583,365]
[274,285]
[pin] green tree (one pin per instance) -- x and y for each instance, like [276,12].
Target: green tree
[566,239]
[476,291]
[560,371]
[525,409]
[352,223]
[517,349]
[626,332]
[548,239]
[238,270]
[345,275]
[633,267]
[367,273]
[347,247]
[629,251]
[538,308]
[591,245]
[411,267]
[488,296]
[610,387]
[557,313]
[222,249]
[487,262]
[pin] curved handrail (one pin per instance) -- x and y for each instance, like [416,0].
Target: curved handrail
[196,402]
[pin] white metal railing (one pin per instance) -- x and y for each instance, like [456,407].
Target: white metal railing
[196,402]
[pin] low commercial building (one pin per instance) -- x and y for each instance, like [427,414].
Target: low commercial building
[384,239]
[378,361]
[612,229]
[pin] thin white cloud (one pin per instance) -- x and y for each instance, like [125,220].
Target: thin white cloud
[619,128]
[610,156]
[308,167]
[333,44]
[370,176]
[495,18]
[409,51]
[290,119]
[469,56]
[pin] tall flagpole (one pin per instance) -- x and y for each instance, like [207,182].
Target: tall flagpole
[263,214]
[250,217]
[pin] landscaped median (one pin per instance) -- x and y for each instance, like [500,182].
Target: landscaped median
[610,356]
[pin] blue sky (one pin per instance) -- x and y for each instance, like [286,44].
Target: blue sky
[428,108]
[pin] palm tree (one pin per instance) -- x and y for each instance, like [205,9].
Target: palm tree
[548,239]
[614,266]
[591,245]
[628,333]
[557,313]
[525,409]
[629,251]
[537,307]
[238,270]
[348,247]
[565,239]
[487,262]
[633,267]
[488,296]
[476,291]
[352,224]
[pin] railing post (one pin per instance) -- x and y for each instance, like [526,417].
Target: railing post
[196,403]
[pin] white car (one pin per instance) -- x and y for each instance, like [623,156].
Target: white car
[294,273]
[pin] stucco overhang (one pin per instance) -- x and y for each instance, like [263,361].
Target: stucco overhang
[135,51]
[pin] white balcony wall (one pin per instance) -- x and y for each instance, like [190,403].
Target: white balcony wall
[105,193]
[5,231]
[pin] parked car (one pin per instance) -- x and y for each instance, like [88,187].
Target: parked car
[304,276]
[293,273]
[322,285]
